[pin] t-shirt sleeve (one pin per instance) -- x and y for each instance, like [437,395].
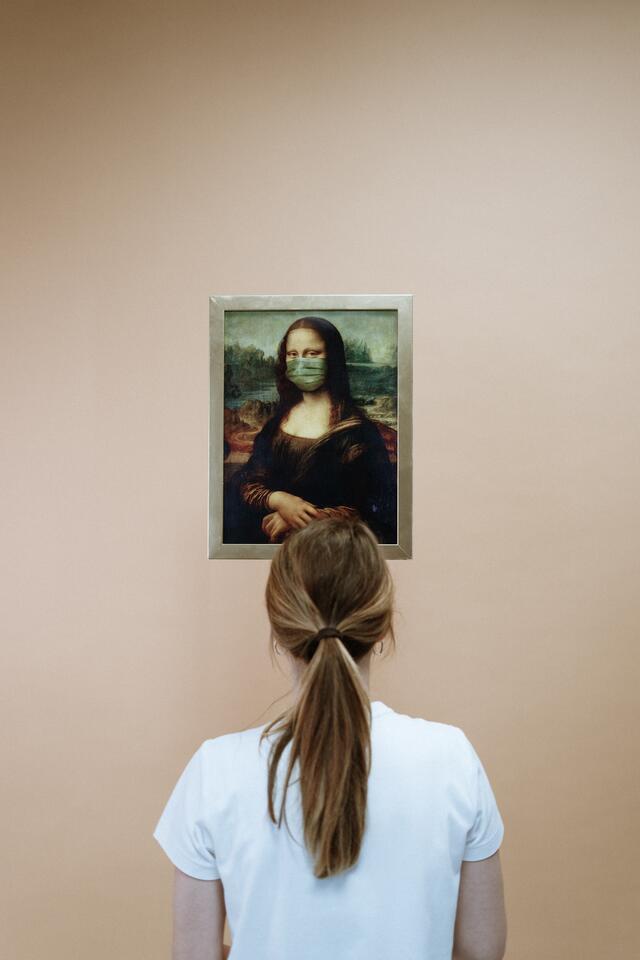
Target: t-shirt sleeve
[184,828]
[485,834]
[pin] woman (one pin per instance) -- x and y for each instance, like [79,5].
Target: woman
[391,846]
[318,455]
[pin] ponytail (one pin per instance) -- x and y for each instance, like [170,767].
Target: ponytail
[329,597]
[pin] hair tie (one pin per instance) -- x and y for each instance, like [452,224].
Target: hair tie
[329,632]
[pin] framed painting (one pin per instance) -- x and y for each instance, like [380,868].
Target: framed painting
[310,416]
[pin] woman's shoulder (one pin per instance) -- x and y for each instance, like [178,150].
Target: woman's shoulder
[233,749]
[445,740]
[269,427]
[358,427]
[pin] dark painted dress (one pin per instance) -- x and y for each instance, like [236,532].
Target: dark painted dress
[347,470]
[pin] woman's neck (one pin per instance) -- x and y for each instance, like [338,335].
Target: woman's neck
[315,398]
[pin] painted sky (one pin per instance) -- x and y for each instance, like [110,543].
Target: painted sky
[265,328]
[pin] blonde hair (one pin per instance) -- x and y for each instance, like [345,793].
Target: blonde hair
[329,573]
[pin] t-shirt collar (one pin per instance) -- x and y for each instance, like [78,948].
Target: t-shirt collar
[378,708]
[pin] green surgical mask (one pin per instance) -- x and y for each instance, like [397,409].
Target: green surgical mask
[308,373]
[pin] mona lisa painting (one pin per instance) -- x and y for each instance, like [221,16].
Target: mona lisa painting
[309,417]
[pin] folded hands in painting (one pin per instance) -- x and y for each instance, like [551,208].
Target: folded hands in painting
[275,526]
[292,512]
[295,511]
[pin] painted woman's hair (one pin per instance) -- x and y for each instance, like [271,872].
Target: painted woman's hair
[337,382]
[328,573]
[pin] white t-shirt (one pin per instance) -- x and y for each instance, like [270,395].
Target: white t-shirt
[429,806]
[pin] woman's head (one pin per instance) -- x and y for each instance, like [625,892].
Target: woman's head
[331,573]
[311,356]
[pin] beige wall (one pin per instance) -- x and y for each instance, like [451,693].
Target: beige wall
[483,157]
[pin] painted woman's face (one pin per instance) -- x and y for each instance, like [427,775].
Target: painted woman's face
[304,342]
[306,359]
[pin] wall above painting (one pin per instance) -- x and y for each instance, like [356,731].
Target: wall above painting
[310,416]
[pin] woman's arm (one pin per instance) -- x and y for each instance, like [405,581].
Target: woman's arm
[343,511]
[481,922]
[254,477]
[198,918]
[255,494]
